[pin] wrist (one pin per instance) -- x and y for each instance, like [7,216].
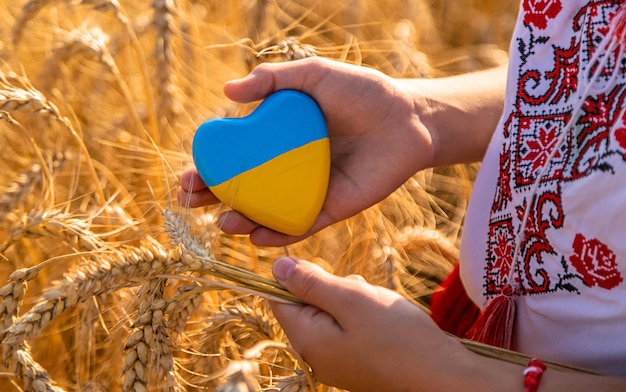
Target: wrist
[460,113]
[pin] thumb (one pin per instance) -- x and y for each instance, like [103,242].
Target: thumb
[302,75]
[313,285]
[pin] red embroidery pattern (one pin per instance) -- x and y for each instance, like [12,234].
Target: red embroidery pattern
[600,114]
[563,78]
[595,144]
[538,12]
[501,247]
[536,138]
[595,262]
[620,134]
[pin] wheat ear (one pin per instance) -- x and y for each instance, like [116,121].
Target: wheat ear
[180,234]
[166,90]
[149,350]
[182,305]
[117,10]
[18,95]
[112,271]
[54,224]
[289,49]
[16,192]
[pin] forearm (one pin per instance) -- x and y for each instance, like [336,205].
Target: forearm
[461,112]
[509,377]
[467,371]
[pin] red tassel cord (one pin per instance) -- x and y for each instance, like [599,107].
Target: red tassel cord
[451,308]
[496,324]
[532,375]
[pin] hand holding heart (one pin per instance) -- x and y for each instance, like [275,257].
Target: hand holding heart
[376,140]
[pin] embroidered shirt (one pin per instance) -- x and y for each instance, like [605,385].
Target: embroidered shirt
[548,210]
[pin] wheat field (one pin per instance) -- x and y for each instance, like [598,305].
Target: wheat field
[106,284]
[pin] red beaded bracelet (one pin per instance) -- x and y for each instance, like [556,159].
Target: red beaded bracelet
[532,375]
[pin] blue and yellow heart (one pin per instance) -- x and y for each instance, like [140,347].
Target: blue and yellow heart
[273,165]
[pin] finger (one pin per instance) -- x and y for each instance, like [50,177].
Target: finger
[303,75]
[357,277]
[307,326]
[263,236]
[319,288]
[196,199]
[190,180]
[232,222]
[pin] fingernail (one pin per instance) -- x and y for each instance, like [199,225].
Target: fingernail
[283,268]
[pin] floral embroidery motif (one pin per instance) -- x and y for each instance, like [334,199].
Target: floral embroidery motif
[620,134]
[501,247]
[595,262]
[535,148]
[503,252]
[538,12]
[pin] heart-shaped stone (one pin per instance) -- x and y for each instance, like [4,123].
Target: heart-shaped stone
[271,166]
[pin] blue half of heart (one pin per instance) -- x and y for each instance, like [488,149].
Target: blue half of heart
[225,147]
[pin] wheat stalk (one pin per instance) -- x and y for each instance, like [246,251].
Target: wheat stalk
[34,175]
[240,376]
[112,271]
[180,233]
[28,12]
[295,383]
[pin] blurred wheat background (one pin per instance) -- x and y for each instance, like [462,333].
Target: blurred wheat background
[99,100]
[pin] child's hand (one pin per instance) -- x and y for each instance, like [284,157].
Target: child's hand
[377,141]
[362,337]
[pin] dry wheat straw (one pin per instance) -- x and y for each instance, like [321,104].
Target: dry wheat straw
[295,383]
[304,371]
[124,267]
[416,261]
[238,324]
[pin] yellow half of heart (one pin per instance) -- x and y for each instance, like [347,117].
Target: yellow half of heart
[285,193]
